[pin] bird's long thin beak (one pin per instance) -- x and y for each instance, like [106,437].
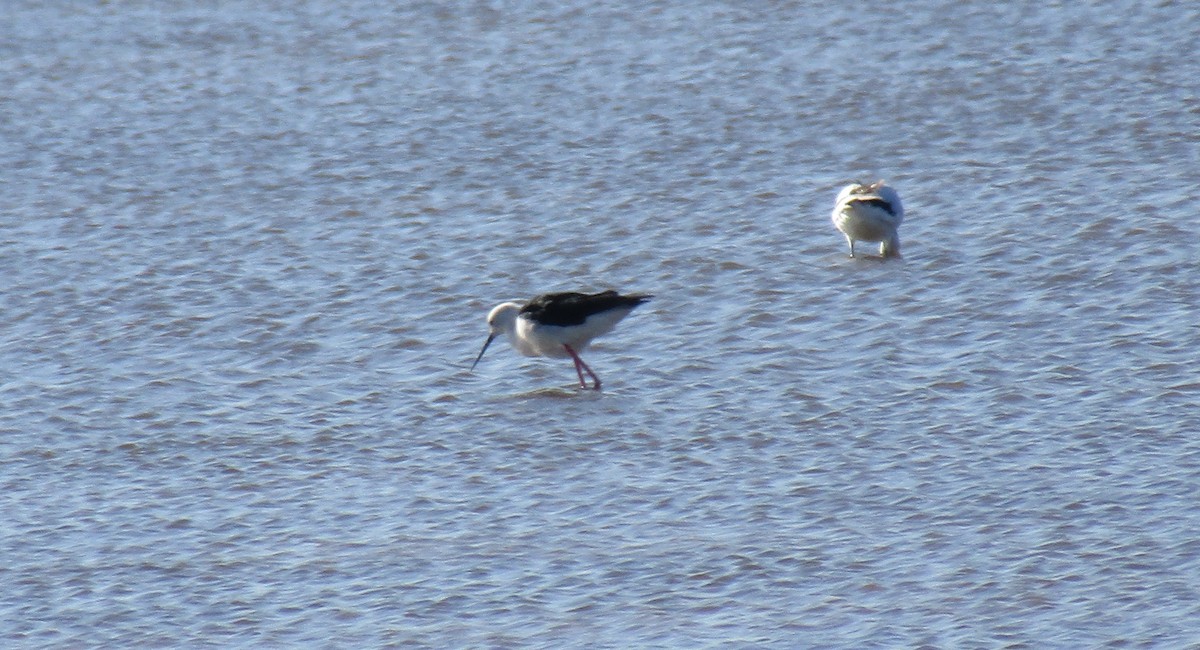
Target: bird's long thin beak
[487,343]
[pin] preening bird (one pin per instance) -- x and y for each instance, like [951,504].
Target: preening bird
[870,213]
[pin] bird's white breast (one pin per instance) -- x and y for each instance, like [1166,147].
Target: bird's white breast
[532,338]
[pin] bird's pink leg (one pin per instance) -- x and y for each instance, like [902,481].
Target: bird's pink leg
[579,364]
[578,370]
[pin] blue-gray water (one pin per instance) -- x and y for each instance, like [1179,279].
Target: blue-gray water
[248,248]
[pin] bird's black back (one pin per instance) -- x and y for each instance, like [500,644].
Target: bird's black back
[879,203]
[571,308]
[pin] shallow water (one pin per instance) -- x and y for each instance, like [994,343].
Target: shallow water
[249,249]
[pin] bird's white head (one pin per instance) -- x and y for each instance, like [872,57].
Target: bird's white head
[853,188]
[501,320]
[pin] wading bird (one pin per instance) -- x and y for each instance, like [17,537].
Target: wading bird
[560,325]
[870,213]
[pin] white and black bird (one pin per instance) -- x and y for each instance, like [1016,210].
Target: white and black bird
[560,325]
[870,213]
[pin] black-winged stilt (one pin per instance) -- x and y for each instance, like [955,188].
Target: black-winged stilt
[560,325]
[870,213]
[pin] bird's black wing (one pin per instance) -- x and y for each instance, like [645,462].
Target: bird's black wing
[879,203]
[572,308]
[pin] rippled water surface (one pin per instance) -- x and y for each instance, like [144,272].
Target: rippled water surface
[248,248]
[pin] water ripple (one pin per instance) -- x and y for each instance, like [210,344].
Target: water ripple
[249,251]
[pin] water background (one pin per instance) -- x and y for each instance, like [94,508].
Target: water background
[247,249]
